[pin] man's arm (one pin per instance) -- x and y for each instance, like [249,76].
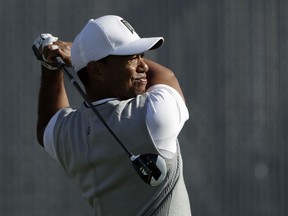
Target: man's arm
[158,74]
[52,94]
[52,97]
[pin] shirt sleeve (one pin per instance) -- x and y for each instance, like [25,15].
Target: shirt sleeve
[166,115]
[48,138]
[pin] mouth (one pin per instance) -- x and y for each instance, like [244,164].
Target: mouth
[140,79]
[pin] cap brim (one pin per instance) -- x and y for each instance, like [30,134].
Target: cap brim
[139,46]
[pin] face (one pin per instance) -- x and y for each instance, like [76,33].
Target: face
[125,76]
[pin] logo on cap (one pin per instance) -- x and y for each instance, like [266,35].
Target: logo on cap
[131,29]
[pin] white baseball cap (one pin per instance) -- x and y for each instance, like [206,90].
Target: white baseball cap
[108,35]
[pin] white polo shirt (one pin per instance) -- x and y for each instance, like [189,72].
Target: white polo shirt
[166,115]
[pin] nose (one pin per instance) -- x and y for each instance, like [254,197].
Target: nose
[142,66]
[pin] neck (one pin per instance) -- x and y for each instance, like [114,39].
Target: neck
[97,95]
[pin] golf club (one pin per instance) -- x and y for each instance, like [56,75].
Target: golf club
[150,167]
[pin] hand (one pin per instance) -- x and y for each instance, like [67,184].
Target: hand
[47,47]
[58,48]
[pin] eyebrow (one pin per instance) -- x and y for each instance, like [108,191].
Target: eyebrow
[140,54]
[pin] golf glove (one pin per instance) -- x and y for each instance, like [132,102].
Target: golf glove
[40,42]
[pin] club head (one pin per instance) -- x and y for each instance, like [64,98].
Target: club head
[150,167]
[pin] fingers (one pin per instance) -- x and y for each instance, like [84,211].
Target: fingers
[66,56]
[50,52]
[58,48]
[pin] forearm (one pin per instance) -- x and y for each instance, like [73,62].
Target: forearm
[158,74]
[52,97]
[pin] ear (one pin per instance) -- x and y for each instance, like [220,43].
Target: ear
[94,70]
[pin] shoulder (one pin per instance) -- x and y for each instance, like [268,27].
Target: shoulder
[164,91]
[164,95]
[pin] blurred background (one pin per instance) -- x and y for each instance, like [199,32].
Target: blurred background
[231,58]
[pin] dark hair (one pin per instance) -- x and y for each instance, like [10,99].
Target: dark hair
[83,73]
[83,76]
[104,60]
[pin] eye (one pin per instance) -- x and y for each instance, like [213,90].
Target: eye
[134,59]
[138,56]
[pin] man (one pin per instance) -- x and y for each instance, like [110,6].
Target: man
[139,99]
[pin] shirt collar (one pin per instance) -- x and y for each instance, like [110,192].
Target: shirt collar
[99,102]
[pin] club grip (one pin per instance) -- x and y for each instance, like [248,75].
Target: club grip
[37,53]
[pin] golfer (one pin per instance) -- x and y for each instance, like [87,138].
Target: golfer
[139,99]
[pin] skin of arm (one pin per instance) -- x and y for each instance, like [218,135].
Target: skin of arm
[158,74]
[52,93]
